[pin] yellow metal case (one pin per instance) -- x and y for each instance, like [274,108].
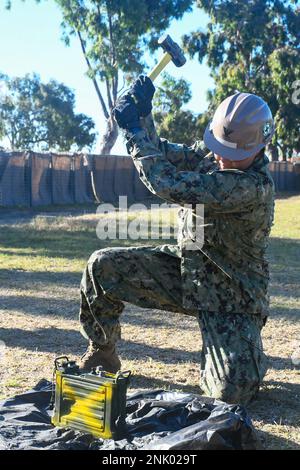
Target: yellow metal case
[93,403]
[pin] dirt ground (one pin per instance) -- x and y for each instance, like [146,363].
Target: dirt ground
[41,264]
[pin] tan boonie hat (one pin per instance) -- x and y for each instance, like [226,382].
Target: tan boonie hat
[242,125]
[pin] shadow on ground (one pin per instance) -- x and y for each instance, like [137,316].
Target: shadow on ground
[40,306]
[283,396]
[280,363]
[63,341]
[269,440]
[51,306]
[275,405]
[158,318]
[18,278]
[143,382]
[138,351]
[54,340]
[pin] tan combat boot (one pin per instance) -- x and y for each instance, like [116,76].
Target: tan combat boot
[104,356]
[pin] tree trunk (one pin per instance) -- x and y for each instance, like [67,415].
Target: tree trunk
[273,149]
[110,137]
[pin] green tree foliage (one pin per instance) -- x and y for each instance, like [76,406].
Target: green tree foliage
[113,35]
[173,123]
[35,115]
[254,46]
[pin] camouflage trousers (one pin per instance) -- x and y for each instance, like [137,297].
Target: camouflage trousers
[232,360]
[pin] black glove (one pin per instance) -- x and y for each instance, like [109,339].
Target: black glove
[126,113]
[143,91]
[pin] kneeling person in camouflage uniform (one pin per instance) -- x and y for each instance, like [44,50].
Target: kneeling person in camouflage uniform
[224,281]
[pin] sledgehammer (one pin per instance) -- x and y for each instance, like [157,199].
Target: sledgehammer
[172,52]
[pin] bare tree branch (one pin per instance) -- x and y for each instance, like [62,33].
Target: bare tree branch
[110,103]
[113,59]
[115,88]
[99,94]
[112,45]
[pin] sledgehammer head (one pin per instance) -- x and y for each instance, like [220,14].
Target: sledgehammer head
[168,45]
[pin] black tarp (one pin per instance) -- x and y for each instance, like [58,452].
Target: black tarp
[156,420]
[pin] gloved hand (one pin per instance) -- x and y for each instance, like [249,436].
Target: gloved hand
[143,91]
[126,113]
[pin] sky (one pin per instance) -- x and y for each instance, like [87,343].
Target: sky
[30,41]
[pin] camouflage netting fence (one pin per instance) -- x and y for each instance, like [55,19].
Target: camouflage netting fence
[286,176]
[39,179]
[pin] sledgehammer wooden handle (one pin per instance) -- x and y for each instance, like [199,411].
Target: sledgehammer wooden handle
[166,58]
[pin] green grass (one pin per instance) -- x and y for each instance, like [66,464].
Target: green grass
[287,218]
[64,243]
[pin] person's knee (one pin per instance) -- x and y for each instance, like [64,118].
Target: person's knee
[229,391]
[239,392]
[102,261]
[100,256]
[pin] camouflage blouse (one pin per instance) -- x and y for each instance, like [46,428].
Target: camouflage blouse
[226,270]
